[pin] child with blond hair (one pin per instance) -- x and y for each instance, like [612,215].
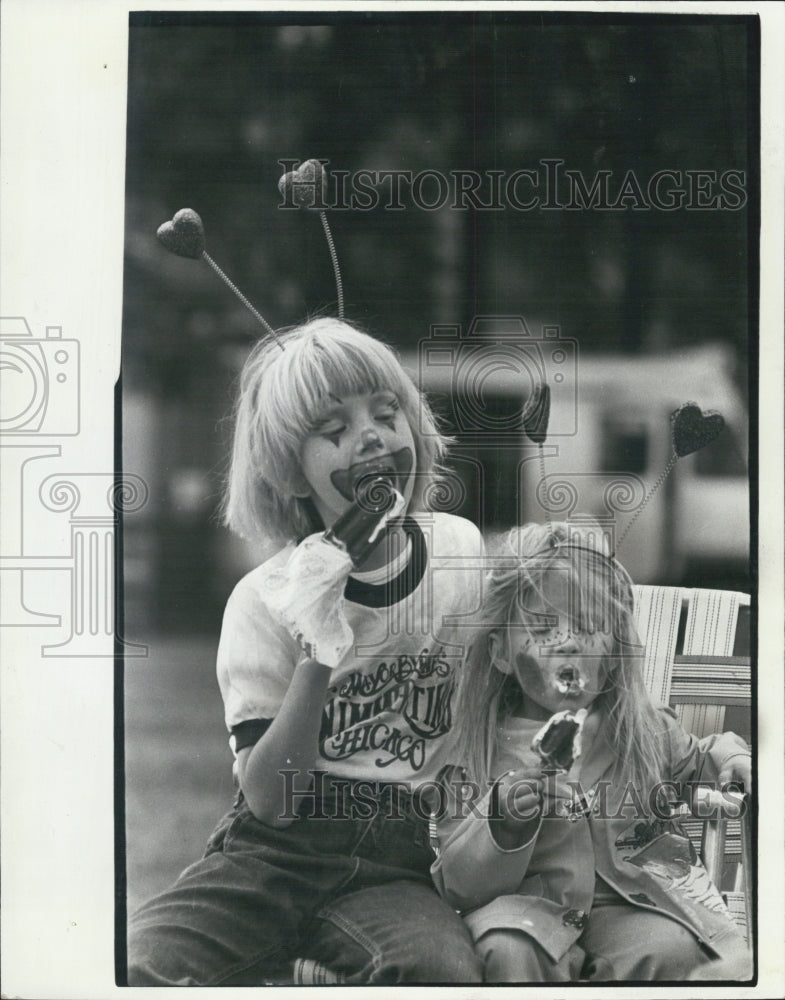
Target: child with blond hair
[339,710]
[570,866]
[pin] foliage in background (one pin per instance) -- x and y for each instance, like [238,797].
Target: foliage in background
[215,102]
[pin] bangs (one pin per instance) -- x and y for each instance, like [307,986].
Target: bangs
[286,385]
[331,367]
[325,360]
[591,589]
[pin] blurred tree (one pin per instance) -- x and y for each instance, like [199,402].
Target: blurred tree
[215,100]
[215,103]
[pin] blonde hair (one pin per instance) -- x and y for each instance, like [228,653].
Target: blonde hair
[601,597]
[281,394]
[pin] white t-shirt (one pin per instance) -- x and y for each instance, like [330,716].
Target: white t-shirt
[388,712]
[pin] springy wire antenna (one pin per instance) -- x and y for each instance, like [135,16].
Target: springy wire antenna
[334,259]
[304,187]
[691,430]
[184,235]
[535,416]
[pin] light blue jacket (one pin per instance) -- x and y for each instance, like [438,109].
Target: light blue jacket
[545,887]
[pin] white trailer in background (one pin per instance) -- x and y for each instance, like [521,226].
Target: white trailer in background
[609,442]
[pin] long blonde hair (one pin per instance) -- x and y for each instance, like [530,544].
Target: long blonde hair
[603,597]
[282,393]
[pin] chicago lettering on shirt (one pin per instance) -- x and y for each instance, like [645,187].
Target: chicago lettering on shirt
[357,715]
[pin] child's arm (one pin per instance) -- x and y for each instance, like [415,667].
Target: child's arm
[486,845]
[517,804]
[289,744]
[271,687]
[719,758]
[737,769]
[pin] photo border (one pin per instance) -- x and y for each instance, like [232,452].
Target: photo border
[63,164]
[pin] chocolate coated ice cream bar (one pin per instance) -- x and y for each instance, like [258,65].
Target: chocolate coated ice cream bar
[360,527]
[559,741]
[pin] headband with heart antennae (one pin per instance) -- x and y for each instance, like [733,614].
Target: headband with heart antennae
[691,428]
[184,235]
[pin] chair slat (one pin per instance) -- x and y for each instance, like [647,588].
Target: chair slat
[711,680]
[699,681]
[738,906]
[710,630]
[703,720]
[657,611]
[711,622]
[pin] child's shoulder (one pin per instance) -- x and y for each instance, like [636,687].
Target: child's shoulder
[449,529]
[247,590]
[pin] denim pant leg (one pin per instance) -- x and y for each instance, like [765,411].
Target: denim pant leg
[235,916]
[400,932]
[393,927]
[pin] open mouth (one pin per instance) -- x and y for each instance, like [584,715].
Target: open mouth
[569,681]
[394,467]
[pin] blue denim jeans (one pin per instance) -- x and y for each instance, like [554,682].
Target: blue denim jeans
[400,932]
[352,892]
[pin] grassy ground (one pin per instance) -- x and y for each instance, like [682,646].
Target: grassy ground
[178,762]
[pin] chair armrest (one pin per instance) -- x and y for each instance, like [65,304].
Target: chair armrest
[711,804]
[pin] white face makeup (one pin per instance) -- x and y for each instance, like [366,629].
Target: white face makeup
[558,663]
[357,437]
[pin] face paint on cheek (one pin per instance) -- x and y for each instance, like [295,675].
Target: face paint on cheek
[530,674]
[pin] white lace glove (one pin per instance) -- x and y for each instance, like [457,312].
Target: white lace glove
[305,596]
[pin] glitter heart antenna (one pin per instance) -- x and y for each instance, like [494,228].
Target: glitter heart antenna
[304,187]
[691,430]
[183,235]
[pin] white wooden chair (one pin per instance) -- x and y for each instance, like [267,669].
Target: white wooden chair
[697,660]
